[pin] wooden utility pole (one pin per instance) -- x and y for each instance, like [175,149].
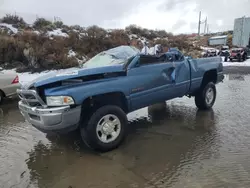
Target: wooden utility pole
[205,27]
[199,24]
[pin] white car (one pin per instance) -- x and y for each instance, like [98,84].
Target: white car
[9,83]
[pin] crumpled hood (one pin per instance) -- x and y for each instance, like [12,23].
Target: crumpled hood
[71,73]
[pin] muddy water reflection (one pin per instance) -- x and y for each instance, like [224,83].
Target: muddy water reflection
[171,145]
[16,139]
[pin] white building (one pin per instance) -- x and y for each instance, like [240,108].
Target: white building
[218,40]
[241,33]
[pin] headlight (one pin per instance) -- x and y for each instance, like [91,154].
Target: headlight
[59,100]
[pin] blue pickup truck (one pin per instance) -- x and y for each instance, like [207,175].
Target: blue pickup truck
[96,98]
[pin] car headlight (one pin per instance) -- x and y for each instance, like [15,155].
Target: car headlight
[59,100]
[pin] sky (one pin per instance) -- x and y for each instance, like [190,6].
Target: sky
[177,16]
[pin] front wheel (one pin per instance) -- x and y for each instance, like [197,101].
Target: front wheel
[239,59]
[205,98]
[105,129]
[244,57]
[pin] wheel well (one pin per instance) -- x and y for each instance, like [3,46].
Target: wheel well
[114,98]
[209,76]
[2,93]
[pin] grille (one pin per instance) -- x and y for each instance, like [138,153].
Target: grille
[30,98]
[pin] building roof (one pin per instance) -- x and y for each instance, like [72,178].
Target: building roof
[219,37]
[242,18]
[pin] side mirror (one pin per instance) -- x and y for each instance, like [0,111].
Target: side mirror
[137,64]
[171,59]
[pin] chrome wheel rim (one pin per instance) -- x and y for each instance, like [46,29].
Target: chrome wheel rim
[108,128]
[209,96]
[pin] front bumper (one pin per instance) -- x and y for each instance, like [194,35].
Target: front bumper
[234,57]
[58,119]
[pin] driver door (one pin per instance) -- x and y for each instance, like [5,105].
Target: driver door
[153,82]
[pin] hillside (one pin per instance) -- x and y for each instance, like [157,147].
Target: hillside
[45,45]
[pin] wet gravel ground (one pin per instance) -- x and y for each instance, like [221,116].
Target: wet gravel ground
[171,145]
[236,70]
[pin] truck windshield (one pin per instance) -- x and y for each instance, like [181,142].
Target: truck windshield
[113,56]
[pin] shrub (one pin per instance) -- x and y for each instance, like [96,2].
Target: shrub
[58,24]
[49,27]
[6,49]
[230,40]
[76,27]
[40,23]
[147,33]
[37,52]
[13,19]
[96,32]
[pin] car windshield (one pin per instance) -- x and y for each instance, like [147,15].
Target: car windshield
[113,56]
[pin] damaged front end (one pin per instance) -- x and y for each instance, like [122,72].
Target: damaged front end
[49,107]
[47,119]
[53,102]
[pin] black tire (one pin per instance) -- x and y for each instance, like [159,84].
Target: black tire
[200,98]
[89,128]
[244,57]
[239,59]
[1,97]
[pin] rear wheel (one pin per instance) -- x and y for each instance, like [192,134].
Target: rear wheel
[205,98]
[105,129]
